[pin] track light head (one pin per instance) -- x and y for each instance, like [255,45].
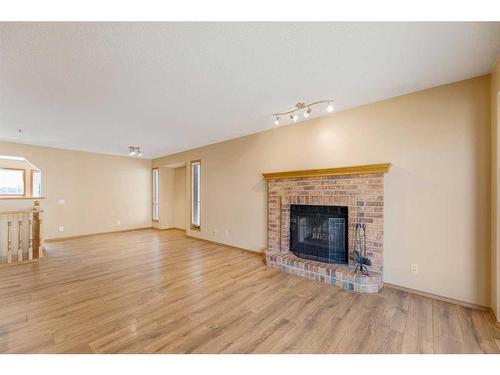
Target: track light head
[134,151]
[302,108]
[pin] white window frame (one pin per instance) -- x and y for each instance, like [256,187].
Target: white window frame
[155,184]
[34,173]
[23,173]
[195,200]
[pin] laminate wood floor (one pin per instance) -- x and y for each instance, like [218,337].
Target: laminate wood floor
[153,291]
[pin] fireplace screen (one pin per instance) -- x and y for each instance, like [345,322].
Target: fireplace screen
[319,233]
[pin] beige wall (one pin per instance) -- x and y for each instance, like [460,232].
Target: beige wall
[98,190]
[437,193]
[180,198]
[495,223]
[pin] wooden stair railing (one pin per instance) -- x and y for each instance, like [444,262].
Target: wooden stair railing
[30,243]
[9,242]
[20,240]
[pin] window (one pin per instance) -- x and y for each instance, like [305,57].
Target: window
[155,194]
[195,194]
[11,181]
[36,183]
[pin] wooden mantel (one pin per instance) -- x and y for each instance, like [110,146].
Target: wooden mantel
[356,169]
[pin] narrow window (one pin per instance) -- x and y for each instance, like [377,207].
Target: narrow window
[12,181]
[155,194]
[195,194]
[36,183]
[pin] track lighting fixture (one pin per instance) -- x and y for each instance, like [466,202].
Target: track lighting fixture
[302,106]
[134,151]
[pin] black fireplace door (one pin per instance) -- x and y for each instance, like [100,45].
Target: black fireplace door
[319,233]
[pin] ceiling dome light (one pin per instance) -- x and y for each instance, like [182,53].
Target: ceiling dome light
[277,121]
[307,112]
[294,117]
[329,107]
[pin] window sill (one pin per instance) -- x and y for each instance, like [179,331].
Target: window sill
[13,197]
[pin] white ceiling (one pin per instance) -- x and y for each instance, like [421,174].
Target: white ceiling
[168,87]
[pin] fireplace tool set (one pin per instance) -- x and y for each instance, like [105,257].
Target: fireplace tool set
[360,249]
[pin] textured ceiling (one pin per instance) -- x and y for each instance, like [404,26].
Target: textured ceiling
[169,87]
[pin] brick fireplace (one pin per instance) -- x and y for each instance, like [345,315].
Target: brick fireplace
[360,190]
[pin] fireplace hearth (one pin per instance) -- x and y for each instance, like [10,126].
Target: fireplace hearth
[319,233]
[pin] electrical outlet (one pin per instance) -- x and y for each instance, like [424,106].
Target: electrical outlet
[61,201]
[414,268]
[61,229]
[215,231]
[118,222]
[226,233]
